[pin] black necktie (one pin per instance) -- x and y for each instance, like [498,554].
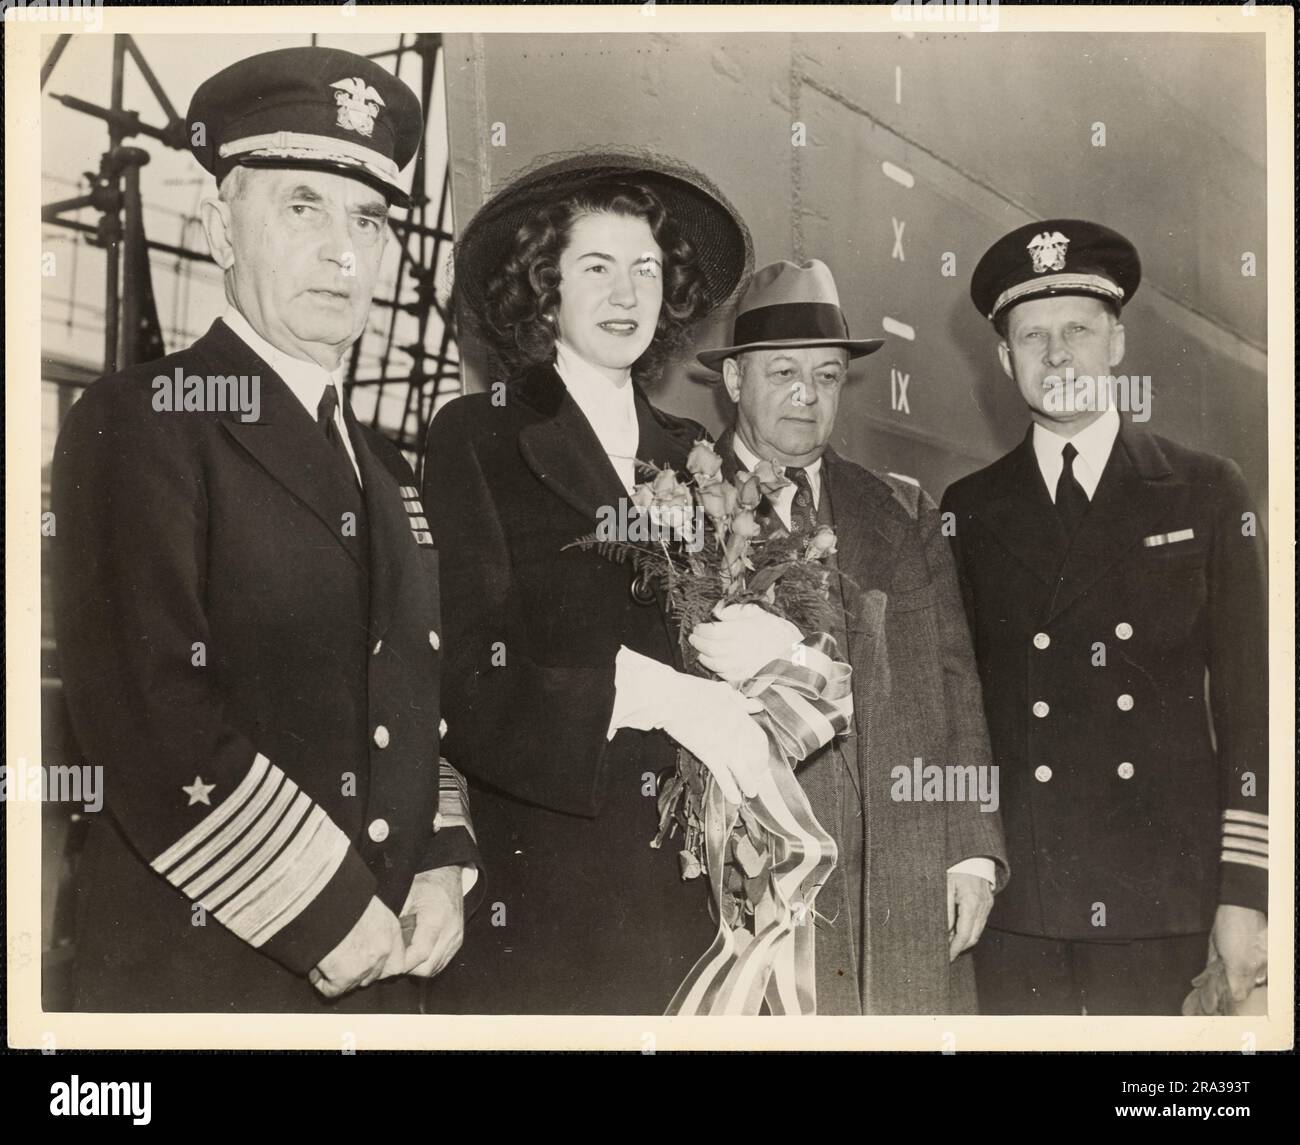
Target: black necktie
[329,402]
[803,514]
[1071,500]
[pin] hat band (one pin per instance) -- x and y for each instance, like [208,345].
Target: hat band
[788,321]
[1058,284]
[298,145]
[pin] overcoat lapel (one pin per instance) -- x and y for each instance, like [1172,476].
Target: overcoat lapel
[285,440]
[725,448]
[656,442]
[1134,494]
[867,536]
[562,449]
[567,457]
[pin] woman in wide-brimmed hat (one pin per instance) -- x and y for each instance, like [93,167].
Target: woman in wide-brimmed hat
[579,276]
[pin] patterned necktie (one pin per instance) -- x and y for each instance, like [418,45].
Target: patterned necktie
[1071,500]
[803,514]
[329,402]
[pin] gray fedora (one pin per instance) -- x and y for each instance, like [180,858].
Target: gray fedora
[790,304]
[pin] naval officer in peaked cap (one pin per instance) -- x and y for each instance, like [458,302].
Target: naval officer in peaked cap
[1108,572]
[247,611]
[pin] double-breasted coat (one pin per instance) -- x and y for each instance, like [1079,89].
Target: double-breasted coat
[583,916]
[1122,790]
[250,648]
[915,694]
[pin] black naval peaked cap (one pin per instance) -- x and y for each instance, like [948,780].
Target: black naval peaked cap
[319,108]
[1056,256]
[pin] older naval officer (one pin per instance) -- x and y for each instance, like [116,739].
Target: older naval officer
[247,610]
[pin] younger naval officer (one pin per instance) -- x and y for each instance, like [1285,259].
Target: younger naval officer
[247,610]
[1107,572]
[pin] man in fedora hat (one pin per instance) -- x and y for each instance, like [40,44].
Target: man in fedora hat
[917,874]
[247,599]
[1107,573]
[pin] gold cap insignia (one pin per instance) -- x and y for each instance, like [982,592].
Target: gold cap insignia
[358,104]
[1048,251]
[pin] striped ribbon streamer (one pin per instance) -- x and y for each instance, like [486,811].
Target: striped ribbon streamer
[807,700]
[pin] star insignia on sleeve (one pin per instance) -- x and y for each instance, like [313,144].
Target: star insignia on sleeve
[198,791]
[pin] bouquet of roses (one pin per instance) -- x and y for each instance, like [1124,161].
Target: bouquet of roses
[702,544]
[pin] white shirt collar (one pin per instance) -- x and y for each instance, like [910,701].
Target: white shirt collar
[609,407]
[783,498]
[306,380]
[1094,445]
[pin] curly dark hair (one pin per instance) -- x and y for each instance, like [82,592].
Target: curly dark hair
[522,298]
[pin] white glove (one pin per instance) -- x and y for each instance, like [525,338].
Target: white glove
[709,718]
[744,639]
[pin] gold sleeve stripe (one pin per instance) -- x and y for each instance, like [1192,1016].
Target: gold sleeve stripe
[263,821]
[259,857]
[270,847]
[1233,843]
[285,888]
[274,784]
[1242,857]
[209,823]
[453,799]
[1246,832]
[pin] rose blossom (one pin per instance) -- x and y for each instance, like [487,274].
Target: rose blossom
[665,485]
[749,492]
[770,478]
[719,499]
[820,544]
[703,463]
[745,524]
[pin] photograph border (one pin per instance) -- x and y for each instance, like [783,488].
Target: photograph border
[29,1026]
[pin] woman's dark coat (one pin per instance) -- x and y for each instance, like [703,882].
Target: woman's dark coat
[581,915]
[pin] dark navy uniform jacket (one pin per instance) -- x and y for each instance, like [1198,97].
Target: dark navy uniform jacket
[1120,786]
[250,649]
